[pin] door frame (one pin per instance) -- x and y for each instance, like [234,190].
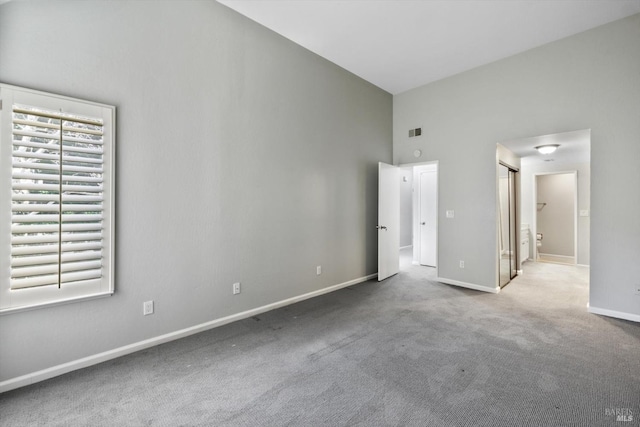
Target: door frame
[534,226]
[415,206]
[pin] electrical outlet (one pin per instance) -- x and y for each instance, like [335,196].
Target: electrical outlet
[147,308]
[450,214]
[319,270]
[461,264]
[236,288]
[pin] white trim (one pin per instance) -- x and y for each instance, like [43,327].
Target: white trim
[55,371]
[410,165]
[557,259]
[406,247]
[582,265]
[7,311]
[468,285]
[556,256]
[613,313]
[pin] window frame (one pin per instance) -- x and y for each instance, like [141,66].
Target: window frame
[16,300]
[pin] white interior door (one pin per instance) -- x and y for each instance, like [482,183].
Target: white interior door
[428,212]
[388,220]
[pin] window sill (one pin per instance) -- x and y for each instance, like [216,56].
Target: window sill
[54,303]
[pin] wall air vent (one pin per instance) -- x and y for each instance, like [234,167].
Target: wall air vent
[415,132]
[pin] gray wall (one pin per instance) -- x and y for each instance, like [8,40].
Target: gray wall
[584,200]
[587,81]
[406,207]
[241,157]
[555,219]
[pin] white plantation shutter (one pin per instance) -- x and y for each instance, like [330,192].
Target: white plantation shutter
[56,198]
[61,198]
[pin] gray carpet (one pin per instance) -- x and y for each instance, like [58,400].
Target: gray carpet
[404,352]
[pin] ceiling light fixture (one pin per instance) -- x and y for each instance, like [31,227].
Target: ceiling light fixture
[547,149]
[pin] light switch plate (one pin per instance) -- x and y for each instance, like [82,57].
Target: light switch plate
[450,214]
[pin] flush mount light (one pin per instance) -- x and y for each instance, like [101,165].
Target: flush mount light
[547,149]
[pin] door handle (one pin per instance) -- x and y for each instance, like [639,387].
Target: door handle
[422,223]
[381,227]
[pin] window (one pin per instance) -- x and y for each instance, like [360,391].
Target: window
[57,163]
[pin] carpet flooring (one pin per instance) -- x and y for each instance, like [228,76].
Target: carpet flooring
[407,351]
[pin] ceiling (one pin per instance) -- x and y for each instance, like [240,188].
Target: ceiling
[575,147]
[402,44]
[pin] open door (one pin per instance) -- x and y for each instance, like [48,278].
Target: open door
[388,220]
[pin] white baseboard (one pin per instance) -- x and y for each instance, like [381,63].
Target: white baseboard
[554,255]
[561,258]
[468,285]
[55,371]
[613,313]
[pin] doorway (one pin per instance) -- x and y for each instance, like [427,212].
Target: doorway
[572,156]
[507,224]
[407,209]
[556,217]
